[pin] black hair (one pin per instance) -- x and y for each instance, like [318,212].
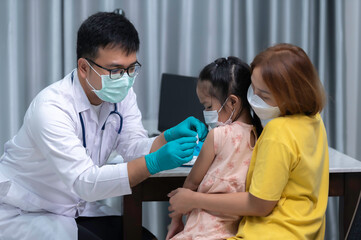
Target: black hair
[230,76]
[106,29]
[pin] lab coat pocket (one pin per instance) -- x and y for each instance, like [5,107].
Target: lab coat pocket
[5,184]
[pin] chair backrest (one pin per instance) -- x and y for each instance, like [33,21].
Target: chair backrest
[354,231]
[178,100]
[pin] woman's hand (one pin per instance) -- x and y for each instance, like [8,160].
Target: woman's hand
[182,201]
[175,227]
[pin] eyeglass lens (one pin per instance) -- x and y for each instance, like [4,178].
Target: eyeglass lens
[118,73]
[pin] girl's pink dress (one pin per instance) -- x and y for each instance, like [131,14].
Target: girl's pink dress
[227,174]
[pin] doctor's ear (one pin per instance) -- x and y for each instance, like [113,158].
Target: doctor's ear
[83,68]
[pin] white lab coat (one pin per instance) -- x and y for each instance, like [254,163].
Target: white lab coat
[47,177]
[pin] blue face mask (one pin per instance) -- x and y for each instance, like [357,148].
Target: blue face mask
[113,90]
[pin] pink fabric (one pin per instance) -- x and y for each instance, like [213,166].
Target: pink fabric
[227,174]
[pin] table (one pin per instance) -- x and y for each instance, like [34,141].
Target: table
[345,182]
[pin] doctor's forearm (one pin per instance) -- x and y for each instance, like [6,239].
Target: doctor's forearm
[158,143]
[98,183]
[137,171]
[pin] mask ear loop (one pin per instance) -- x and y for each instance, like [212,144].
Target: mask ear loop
[242,107]
[87,78]
[92,68]
[93,89]
[234,109]
[223,105]
[230,117]
[232,113]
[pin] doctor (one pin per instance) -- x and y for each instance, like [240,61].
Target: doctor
[53,170]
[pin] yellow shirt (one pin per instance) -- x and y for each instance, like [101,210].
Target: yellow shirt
[289,165]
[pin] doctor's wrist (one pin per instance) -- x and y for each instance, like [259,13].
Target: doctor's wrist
[168,135]
[152,163]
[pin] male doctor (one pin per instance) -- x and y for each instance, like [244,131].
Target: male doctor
[53,170]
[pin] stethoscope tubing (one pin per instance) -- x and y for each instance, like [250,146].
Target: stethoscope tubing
[115,111]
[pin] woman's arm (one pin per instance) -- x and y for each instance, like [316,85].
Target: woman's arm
[239,203]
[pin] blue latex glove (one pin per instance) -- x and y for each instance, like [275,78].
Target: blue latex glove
[198,148]
[171,155]
[188,128]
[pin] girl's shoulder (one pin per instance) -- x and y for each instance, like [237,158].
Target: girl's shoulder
[235,125]
[243,125]
[242,128]
[235,128]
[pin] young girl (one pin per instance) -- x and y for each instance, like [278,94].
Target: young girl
[222,164]
[287,182]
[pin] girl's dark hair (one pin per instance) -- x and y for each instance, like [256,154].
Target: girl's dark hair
[106,29]
[230,76]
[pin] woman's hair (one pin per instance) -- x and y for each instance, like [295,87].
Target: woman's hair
[292,79]
[230,76]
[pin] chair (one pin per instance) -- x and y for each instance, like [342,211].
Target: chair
[178,100]
[354,231]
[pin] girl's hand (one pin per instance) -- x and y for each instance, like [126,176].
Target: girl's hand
[175,227]
[181,201]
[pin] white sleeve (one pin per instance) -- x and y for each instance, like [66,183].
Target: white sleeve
[54,132]
[98,183]
[133,140]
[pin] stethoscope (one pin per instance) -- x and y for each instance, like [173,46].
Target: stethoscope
[115,111]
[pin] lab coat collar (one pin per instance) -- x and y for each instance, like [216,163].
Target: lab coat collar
[81,100]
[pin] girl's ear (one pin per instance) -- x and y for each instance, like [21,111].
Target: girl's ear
[234,100]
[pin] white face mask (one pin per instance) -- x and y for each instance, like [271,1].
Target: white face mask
[262,109]
[211,118]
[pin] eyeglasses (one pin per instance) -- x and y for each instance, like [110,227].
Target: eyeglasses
[117,73]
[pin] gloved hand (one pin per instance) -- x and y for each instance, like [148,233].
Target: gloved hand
[188,128]
[171,155]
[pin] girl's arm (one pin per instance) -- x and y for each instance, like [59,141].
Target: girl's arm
[202,164]
[239,203]
[199,170]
